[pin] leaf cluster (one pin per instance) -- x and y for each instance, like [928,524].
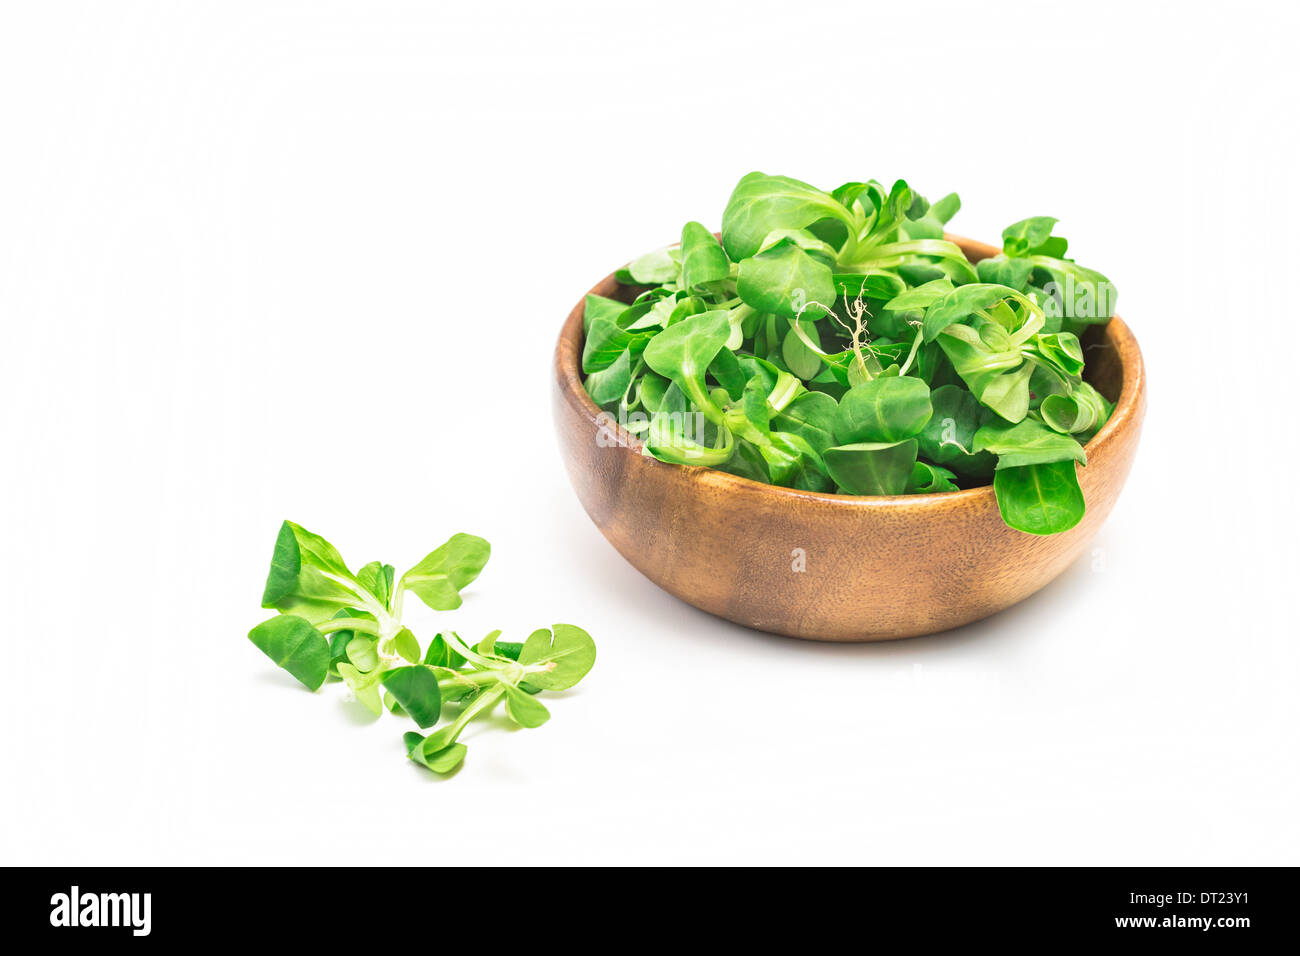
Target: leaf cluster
[334,624]
[838,342]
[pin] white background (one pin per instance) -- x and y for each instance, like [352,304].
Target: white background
[308,260]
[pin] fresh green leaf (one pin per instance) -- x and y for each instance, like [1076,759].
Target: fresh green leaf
[654,267]
[558,658]
[406,646]
[703,259]
[377,578]
[364,686]
[762,203]
[363,652]
[785,281]
[1000,270]
[949,436]
[800,358]
[610,384]
[1081,412]
[930,479]
[415,688]
[994,370]
[812,417]
[441,654]
[524,709]
[683,353]
[296,646]
[1027,443]
[886,409]
[872,468]
[1040,499]
[961,303]
[441,761]
[597,308]
[1027,236]
[308,577]
[438,579]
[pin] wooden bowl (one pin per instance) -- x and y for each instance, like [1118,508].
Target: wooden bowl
[876,568]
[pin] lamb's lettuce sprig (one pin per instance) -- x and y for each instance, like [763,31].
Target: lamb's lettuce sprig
[336,624]
[774,338]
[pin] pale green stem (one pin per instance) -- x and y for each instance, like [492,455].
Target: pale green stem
[480,704]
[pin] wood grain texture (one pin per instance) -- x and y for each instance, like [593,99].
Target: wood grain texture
[876,568]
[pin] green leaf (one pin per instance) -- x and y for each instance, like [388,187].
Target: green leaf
[726,371]
[761,203]
[784,280]
[1040,499]
[605,342]
[930,479]
[565,655]
[447,759]
[789,458]
[960,304]
[1082,295]
[819,249]
[440,654]
[799,358]
[749,417]
[684,351]
[669,439]
[876,285]
[1000,270]
[609,384]
[487,646]
[596,308]
[363,652]
[439,577]
[996,373]
[916,301]
[416,689]
[1027,443]
[1061,350]
[405,644]
[655,267]
[377,578]
[364,686]
[1081,412]
[525,710]
[442,761]
[339,640]
[949,435]
[872,468]
[885,409]
[703,259]
[928,220]
[508,649]
[296,646]
[1028,236]
[307,577]
[286,562]
[812,417]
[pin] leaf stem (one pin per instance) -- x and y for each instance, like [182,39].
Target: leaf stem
[388,624]
[480,703]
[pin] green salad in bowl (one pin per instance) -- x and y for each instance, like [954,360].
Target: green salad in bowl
[840,342]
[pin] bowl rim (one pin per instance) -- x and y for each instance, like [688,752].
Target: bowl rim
[1128,409]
